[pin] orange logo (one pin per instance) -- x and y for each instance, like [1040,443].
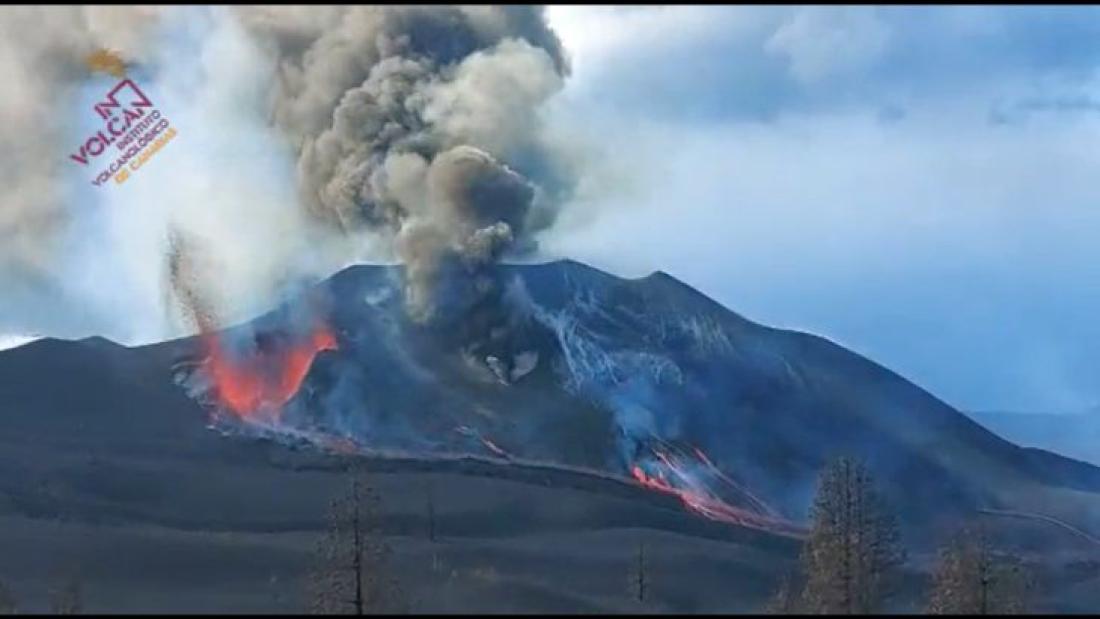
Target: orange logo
[105,61]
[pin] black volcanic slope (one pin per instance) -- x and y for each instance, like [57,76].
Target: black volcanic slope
[623,363]
[110,468]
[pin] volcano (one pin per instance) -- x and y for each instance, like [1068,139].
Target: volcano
[650,379]
[592,402]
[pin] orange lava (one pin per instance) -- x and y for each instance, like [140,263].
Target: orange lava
[706,505]
[490,445]
[256,388]
[495,449]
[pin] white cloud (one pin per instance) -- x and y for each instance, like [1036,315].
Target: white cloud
[593,33]
[823,41]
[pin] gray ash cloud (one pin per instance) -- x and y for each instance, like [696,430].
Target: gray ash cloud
[419,126]
[422,123]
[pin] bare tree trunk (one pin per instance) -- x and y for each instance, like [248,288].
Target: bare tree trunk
[354,573]
[637,578]
[67,598]
[431,515]
[983,572]
[846,538]
[357,545]
[862,579]
[8,606]
[974,578]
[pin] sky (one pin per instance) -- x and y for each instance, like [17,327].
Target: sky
[918,184]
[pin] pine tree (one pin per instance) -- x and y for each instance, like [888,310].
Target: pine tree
[973,578]
[353,574]
[787,599]
[8,605]
[852,550]
[67,598]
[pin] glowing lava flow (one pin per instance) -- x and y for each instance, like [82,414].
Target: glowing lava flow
[494,448]
[672,477]
[256,387]
[490,445]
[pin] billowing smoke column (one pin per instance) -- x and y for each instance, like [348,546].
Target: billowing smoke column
[418,124]
[421,122]
[415,126]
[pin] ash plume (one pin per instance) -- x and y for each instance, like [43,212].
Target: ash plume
[184,279]
[420,122]
[42,57]
[412,130]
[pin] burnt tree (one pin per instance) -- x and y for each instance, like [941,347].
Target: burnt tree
[67,598]
[430,499]
[638,575]
[852,550]
[787,599]
[974,578]
[8,605]
[353,572]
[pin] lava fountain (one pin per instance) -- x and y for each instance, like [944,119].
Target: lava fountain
[251,378]
[255,384]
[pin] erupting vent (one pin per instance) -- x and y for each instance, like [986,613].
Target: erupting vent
[255,383]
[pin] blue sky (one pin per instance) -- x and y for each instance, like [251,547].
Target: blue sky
[919,184]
